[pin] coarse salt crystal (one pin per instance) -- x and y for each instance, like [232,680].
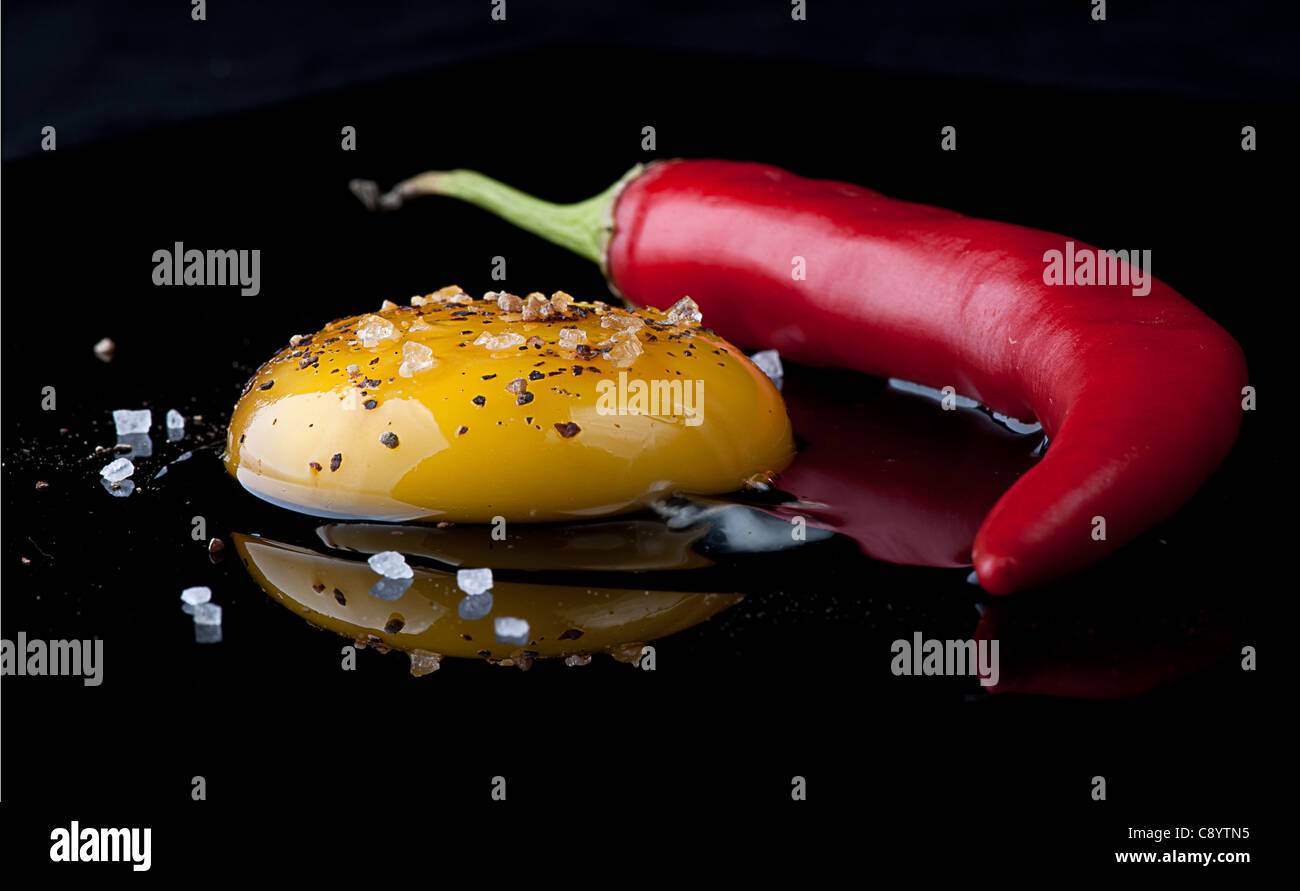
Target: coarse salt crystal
[175,420]
[195,596]
[509,302]
[130,421]
[622,320]
[416,357]
[536,307]
[117,470]
[391,564]
[685,311]
[374,330]
[571,337]
[625,350]
[503,341]
[769,362]
[474,581]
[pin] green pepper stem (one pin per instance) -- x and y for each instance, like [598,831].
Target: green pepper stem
[584,227]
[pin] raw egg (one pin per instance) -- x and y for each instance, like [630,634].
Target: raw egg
[522,409]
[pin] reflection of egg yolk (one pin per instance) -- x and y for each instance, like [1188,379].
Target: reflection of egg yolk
[460,410]
[332,592]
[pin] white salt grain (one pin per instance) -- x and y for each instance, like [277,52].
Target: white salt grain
[118,470]
[391,564]
[769,362]
[195,596]
[474,581]
[129,421]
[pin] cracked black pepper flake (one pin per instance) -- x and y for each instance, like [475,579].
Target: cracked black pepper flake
[395,624]
[571,634]
[535,375]
[373,361]
[338,595]
[314,465]
[577,369]
[568,429]
[241,438]
[488,377]
[479,400]
[462,430]
[266,386]
[336,462]
[389,439]
[528,420]
[318,588]
[523,398]
[369,382]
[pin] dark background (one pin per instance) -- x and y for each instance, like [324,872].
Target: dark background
[225,134]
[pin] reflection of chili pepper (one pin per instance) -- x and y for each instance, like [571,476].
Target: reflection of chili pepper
[1139,394]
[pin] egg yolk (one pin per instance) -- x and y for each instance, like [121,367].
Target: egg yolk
[524,409]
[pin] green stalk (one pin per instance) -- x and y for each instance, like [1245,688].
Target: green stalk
[584,227]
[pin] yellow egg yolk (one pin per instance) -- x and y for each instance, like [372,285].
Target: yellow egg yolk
[529,410]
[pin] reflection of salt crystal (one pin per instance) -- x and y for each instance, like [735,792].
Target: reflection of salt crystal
[175,419]
[474,581]
[577,659]
[474,606]
[207,614]
[195,596]
[130,421]
[684,311]
[119,490]
[373,330]
[391,564]
[416,357]
[510,630]
[390,589]
[207,623]
[141,444]
[117,470]
[423,662]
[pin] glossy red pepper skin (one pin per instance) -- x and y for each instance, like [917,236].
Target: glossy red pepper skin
[1140,395]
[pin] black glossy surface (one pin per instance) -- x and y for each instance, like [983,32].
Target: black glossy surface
[794,680]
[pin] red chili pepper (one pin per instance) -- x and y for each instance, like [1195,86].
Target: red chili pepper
[1140,395]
